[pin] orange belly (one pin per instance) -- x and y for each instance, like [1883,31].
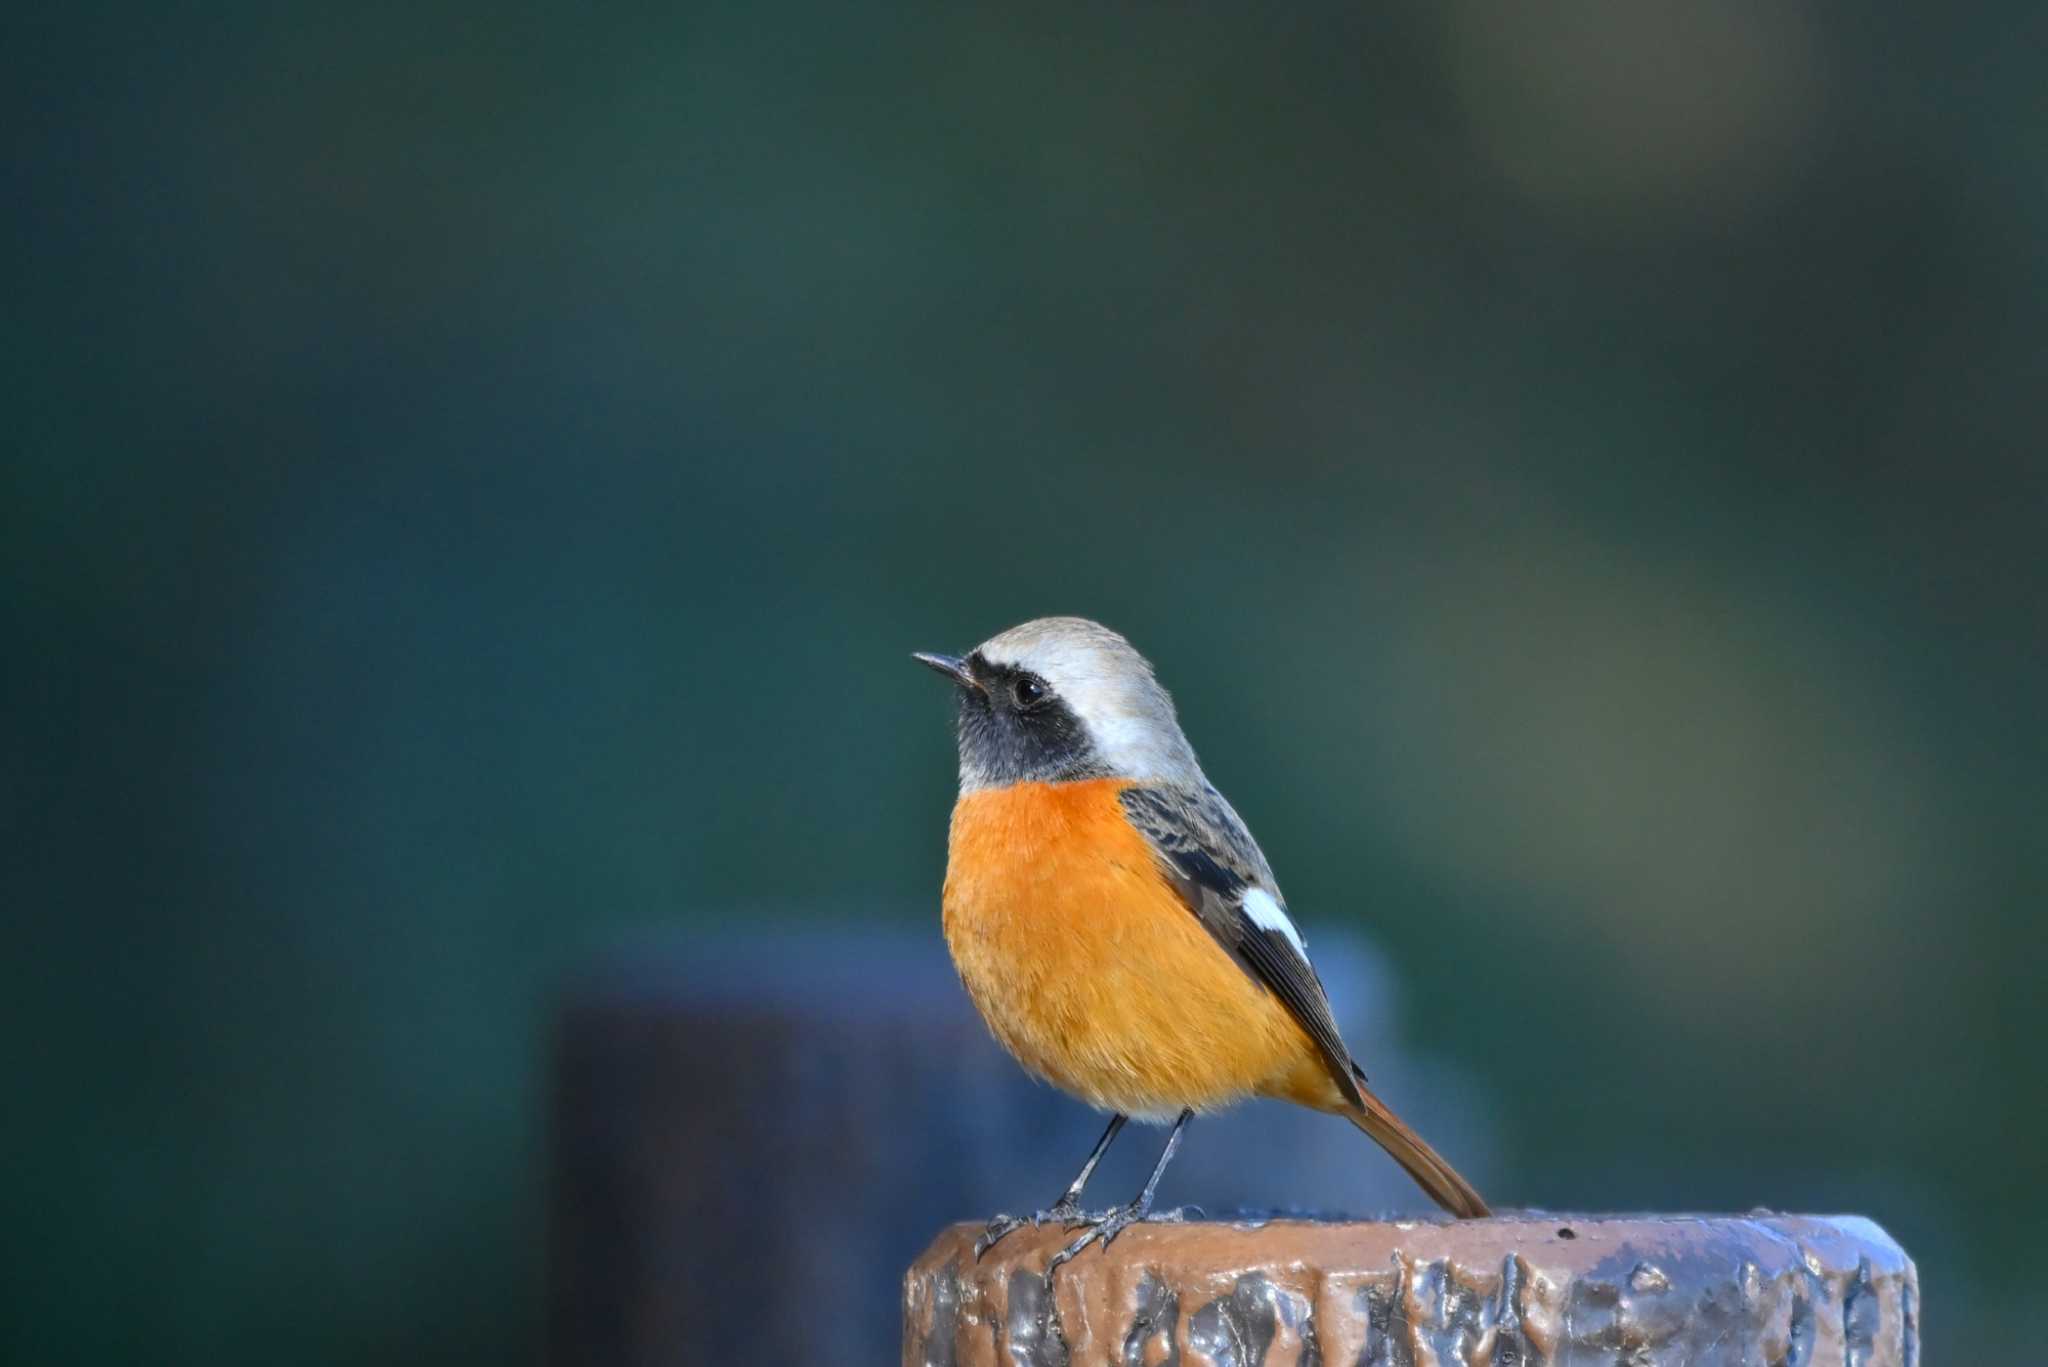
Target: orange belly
[1091,970]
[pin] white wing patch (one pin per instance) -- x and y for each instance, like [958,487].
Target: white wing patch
[1266,913]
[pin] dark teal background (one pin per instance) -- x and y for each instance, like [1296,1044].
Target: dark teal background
[474,473]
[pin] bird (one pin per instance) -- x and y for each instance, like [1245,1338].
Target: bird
[1115,923]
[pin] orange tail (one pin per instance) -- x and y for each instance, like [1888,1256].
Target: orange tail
[1423,1163]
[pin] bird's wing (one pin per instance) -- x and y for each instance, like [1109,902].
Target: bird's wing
[1213,862]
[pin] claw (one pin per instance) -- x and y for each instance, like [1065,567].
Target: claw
[997,1228]
[1064,1212]
[1103,1230]
[1105,1227]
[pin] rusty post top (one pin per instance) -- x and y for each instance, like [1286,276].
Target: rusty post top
[1524,1289]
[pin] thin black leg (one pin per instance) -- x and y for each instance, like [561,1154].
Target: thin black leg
[1072,1199]
[1065,1211]
[1117,1221]
[1143,1205]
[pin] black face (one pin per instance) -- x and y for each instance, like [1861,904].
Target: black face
[1015,729]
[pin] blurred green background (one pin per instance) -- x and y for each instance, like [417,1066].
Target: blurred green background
[475,472]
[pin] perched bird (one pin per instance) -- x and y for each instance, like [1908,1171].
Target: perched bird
[1115,923]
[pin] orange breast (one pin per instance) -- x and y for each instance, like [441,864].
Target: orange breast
[1089,968]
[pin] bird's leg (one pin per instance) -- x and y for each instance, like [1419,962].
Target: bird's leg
[1115,1222]
[1066,1210]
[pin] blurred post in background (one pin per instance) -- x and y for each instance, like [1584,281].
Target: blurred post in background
[475,472]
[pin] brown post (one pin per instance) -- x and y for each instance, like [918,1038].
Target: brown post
[1646,1291]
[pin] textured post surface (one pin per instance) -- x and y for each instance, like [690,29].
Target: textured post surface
[1761,1290]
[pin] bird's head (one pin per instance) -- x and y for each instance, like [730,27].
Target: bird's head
[1062,698]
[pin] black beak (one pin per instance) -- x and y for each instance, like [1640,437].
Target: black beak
[953,667]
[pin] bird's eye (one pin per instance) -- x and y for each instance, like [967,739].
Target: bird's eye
[1029,691]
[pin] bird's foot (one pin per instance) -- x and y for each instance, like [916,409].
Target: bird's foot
[1066,1212]
[1105,1227]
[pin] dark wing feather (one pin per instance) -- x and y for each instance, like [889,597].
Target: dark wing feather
[1212,861]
